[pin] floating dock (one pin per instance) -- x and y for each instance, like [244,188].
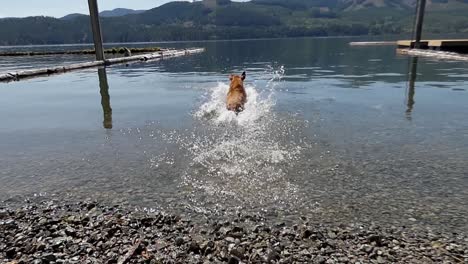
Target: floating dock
[118,50]
[15,76]
[454,45]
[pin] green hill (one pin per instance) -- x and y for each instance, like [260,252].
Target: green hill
[223,19]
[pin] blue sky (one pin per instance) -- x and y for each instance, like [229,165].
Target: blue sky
[59,8]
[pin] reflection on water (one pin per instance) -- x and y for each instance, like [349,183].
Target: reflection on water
[411,85]
[105,98]
[323,135]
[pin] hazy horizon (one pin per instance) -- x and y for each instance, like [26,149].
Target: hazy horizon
[60,8]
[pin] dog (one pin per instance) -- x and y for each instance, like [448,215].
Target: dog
[236,97]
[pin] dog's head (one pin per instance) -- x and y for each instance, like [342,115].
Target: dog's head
[237,78]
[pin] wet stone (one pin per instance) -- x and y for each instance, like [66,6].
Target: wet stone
[47,258]
[233,260]
[194,247]
[306,234]
[10,253]
[179,241]
[163,238]
[238,252]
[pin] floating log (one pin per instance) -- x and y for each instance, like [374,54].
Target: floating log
[117,50]
[373,43]
[434,54]
[12,76]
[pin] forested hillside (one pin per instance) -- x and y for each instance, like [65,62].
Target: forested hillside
[223,19]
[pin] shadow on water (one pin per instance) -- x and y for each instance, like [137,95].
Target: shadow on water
[413,72]
[105,98]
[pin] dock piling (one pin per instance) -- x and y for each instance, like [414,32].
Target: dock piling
[419,23]
[96,27]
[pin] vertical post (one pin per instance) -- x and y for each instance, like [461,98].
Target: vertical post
[419,23]
[96,27]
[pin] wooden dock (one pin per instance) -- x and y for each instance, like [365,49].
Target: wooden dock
[15,76]
[454,45]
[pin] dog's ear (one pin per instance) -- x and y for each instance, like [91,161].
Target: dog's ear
[243,76]
[231,77]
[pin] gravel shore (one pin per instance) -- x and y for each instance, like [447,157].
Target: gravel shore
[88,232]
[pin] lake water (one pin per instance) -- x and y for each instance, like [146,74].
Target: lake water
[336,133]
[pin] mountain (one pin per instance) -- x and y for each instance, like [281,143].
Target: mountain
[120,12]
[223,19]
[72,16]
[108,13]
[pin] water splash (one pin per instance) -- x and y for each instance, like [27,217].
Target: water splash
[259,101]
[227,162]
[241,161]
[215,108]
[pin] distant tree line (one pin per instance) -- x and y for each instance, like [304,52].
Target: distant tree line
[215,19]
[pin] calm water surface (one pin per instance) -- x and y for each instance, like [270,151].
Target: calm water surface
[333,132]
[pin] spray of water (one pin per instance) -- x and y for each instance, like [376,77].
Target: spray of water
[240,161]
[215,108]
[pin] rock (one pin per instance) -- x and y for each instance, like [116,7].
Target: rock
[273,256]
[237,229]
[179,241]
[70,231]
[194,247]
[47,258]
[280,224]
[10,253]
[320,260]
[207,247]
[238,252]
[230,239]
[306,234]
[261,244]
[181,255]
[305,253]
[377,239]
[4,214]
[58,241]
[233,260]
[381,260]
[366,248]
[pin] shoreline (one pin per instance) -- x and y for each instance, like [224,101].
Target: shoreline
[395,37]
[90,232]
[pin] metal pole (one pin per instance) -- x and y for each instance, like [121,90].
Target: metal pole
[96,27]
[419,23]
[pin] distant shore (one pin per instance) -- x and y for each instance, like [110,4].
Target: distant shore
[110,44]
[89,232]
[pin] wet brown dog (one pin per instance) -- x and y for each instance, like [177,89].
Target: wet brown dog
[236,97]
